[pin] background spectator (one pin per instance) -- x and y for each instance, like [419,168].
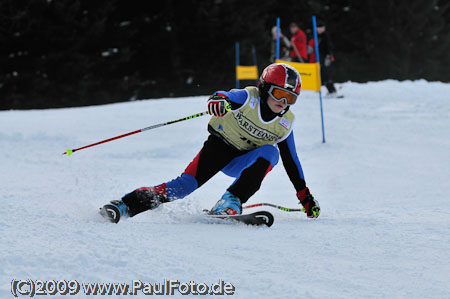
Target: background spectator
[285,45]
[326,56]
[299,51]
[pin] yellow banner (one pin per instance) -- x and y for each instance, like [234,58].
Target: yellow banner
[246,72]
[310,73]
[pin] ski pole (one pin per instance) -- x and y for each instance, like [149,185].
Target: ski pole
[71,151]
[273,206]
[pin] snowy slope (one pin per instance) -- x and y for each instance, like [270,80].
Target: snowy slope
[381,180]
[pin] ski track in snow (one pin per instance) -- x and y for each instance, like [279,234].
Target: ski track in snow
[381,180]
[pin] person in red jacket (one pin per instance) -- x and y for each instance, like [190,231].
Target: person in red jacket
[299,51]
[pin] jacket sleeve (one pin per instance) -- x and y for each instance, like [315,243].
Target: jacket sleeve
[237,97]
[291,162]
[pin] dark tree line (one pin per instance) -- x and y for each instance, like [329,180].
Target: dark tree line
[60,53]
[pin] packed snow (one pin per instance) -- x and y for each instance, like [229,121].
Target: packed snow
[381,178]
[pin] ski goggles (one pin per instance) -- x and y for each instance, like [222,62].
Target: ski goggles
[280,94]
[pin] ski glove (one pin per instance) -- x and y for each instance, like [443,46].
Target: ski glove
[328,60]
[218,105]
[310,205]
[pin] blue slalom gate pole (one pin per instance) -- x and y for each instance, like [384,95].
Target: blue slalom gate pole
[318,61]
[278,40]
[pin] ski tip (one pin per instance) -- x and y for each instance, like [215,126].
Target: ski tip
[109,214]
[266,217]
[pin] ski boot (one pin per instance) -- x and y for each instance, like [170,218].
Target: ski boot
[115,210]
[133,203]
[229,204]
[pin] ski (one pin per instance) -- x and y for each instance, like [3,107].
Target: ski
[334,96]
[256,218]
[110,213]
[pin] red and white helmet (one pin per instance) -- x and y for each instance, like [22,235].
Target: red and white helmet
[281,75]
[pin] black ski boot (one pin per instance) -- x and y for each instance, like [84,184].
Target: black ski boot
[133,203]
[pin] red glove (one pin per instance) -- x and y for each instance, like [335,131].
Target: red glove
[218,105]
[310,205]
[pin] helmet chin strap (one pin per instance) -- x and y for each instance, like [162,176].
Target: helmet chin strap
[284,111]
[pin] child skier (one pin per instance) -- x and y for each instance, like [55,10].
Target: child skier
[244,129]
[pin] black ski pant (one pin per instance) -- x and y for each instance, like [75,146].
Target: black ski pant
[248,167]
